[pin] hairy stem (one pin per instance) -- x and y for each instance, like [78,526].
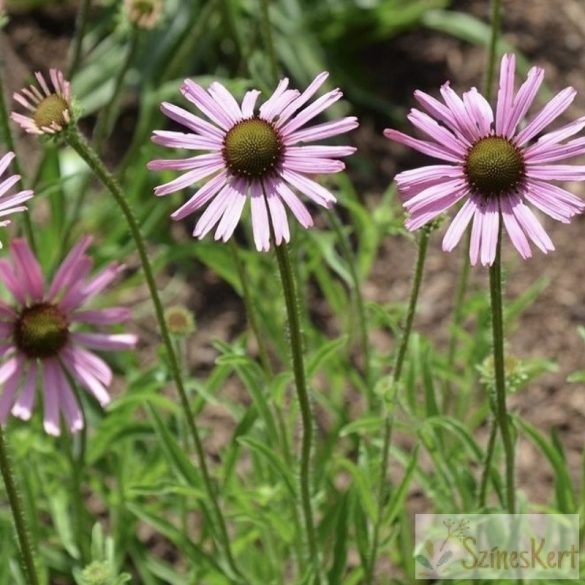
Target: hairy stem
[80,145]
[22,532]
[296,346]
[389,418]
[500,374]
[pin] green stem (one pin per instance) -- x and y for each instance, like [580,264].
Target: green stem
[268,40]
[296,345]
[389,418]
[359,301]
[80,26]
[22,532]
[8,139]
[80,145]
[500,375]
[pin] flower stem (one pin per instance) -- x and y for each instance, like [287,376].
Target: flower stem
[500,376]
[80,145]
[296,345]
[22,532]
[6,135]
[389,417]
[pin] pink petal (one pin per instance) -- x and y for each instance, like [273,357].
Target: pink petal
[186,141]
[5,161]
[249,102]
[531,226]
[189,120]
[447,140]
[465,124]
[310,112]
[187,179]
[28,269]
[513,228]
[215,210]
[505,95]
[10,374]
[524,99]
[184,164]
[109,316]
[106,341]
[24,406]
[197,95]
[88,381]
[90,362]
[68,271]
[278,217]
[480,111]
[227,101]
[294,204]
[490,232]
[553,109]
[201,197]
[556,172]
[51,397]
[10,281]
[428,148]
[260,225]
[233,212]
[302,99]
[313,166]
[459,225]
[310,188]
[322,131]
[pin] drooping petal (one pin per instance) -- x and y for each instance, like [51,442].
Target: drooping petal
[459,225]
[260,225]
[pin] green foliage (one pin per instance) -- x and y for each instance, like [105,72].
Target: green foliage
[136,464]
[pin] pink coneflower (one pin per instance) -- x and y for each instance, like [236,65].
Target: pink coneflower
[50,106]
[39,337]
[13,203]
[263,154]
[492,164]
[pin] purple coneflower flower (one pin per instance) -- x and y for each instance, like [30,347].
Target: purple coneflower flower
[12,203]
[263,154]
[39,336]
[495,167]
[50,106]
